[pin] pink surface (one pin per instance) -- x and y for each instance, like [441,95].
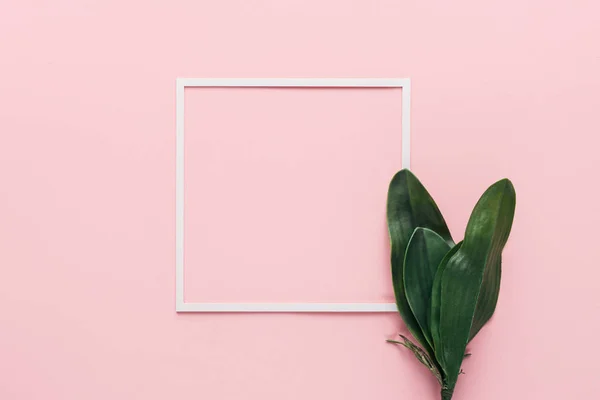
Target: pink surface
[286,191]
[87,207]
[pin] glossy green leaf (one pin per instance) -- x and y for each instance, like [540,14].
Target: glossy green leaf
[424,252]
[436,294]
[488,297]
[486,302]
[409,206]
[462,277]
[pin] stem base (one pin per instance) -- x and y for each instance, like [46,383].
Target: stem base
[447,394]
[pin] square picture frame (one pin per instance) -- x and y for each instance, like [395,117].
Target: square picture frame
[236,307]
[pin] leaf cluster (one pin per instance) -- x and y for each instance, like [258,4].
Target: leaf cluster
[445,291]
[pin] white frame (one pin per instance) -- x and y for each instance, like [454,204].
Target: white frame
[181,84]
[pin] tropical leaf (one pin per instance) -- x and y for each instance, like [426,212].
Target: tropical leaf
[488,297]
[424,252]
[436,294]
[410,206]
[462,276]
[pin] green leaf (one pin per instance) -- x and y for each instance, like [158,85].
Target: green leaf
[424,252]
[488,297]
[462,277]
[409,206]
[436,294]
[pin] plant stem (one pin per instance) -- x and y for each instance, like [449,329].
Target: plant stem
[447,394]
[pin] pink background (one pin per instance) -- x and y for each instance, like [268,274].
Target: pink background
[285,193]
[87,204]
